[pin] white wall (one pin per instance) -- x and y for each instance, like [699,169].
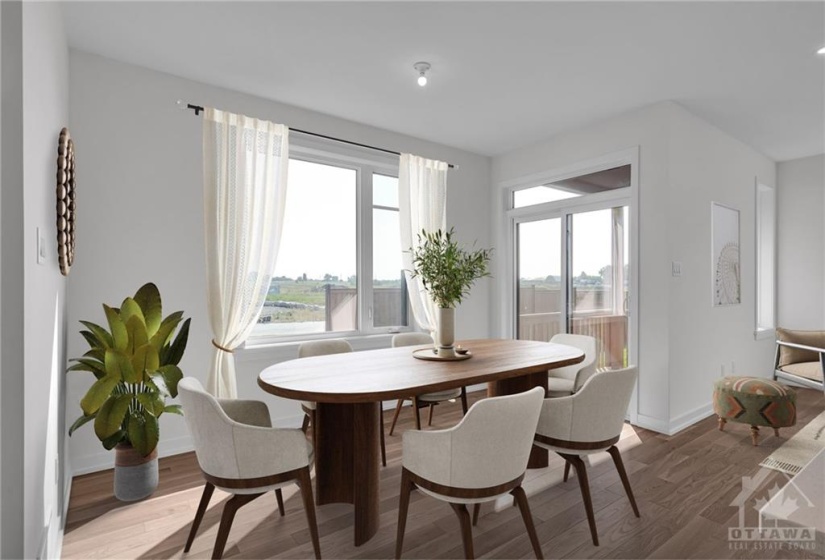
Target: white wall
[34,109]
[708,165]
[141,216]
[801,233]
[45,112]
[684,163]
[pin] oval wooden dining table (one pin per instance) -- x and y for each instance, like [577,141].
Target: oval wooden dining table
[348,389]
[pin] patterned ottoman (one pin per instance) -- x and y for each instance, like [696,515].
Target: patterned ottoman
[755,401]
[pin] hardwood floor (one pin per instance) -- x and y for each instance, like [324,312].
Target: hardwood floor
[684,486]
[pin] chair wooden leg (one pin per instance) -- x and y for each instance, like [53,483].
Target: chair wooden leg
[464,400]
[235,503]
[395,416]
[722,422]
[617,459]
[755,435]
[524,507]
[417,415]
[430,421]
[776,432]
[204,503]
[280,497]
[584,485]
[403,506]
[476,511]
[305,423]
[305,484]
[566,470]
[381,428]
[466,528]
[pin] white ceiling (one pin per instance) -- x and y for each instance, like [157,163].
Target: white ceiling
[504,75]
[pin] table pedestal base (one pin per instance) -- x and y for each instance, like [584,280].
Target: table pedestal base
[347,461]
[539,457]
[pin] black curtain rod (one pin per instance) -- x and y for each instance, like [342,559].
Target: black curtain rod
[198,109]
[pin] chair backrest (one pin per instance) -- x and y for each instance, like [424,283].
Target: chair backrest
[582,371]
[788,355]
[323,347]
[492,443]
[597,412]
[211,429]
[411,339]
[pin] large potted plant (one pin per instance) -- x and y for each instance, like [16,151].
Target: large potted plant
[135,364]
[447,272]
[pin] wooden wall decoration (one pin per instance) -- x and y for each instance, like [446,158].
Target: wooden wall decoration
[65,201]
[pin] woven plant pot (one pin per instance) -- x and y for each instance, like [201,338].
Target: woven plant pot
[136,477]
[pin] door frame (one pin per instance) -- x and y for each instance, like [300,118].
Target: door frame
[620,197]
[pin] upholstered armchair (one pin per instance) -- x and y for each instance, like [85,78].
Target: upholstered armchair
[588,422]
[800,357]
[565,381]
[427,399]
[478,460]
[240,453]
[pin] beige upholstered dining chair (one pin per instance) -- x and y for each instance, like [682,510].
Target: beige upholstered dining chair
[427,399]
[325,348]
[565,381]
[478,460]
[588,422]
[239,452]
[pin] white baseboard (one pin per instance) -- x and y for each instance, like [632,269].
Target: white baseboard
[652,423]
[690,418]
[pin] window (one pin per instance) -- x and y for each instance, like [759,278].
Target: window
[341,225]
[765,260]
[592,183]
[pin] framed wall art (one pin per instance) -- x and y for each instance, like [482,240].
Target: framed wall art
[727,282]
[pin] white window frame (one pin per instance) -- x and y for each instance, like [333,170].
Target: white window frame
[764,194]
[365,163]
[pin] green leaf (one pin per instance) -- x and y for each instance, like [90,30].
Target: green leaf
[90,339]
[86,364]
[110,416]
[79,422]
[164,332]
[102,335]
[143,432]
[98,354]
[98,393]
[152,402]
[130,308]
[136,329]
[144,360]
[111,441]
[174,353]
[120,338]
[148,298]
[173,409]
[119,367]
[171,376]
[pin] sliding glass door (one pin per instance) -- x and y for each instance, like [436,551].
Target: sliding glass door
[572,272]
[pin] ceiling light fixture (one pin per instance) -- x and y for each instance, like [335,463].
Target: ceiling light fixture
[821,51]
[422,68]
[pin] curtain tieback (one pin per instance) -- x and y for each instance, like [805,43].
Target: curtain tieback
[219,347]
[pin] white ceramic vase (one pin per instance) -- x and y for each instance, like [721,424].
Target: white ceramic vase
[445,334]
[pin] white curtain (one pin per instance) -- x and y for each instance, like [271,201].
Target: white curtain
[244,178]
[422,192]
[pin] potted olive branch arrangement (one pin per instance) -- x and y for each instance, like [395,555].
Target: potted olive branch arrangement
[447,272]
[135,364]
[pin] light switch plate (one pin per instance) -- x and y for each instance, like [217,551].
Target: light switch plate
[676,268]
[41,247]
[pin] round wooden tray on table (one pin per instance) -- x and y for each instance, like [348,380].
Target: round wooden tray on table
[429,354]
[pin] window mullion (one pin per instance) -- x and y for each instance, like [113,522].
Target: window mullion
[365,299]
